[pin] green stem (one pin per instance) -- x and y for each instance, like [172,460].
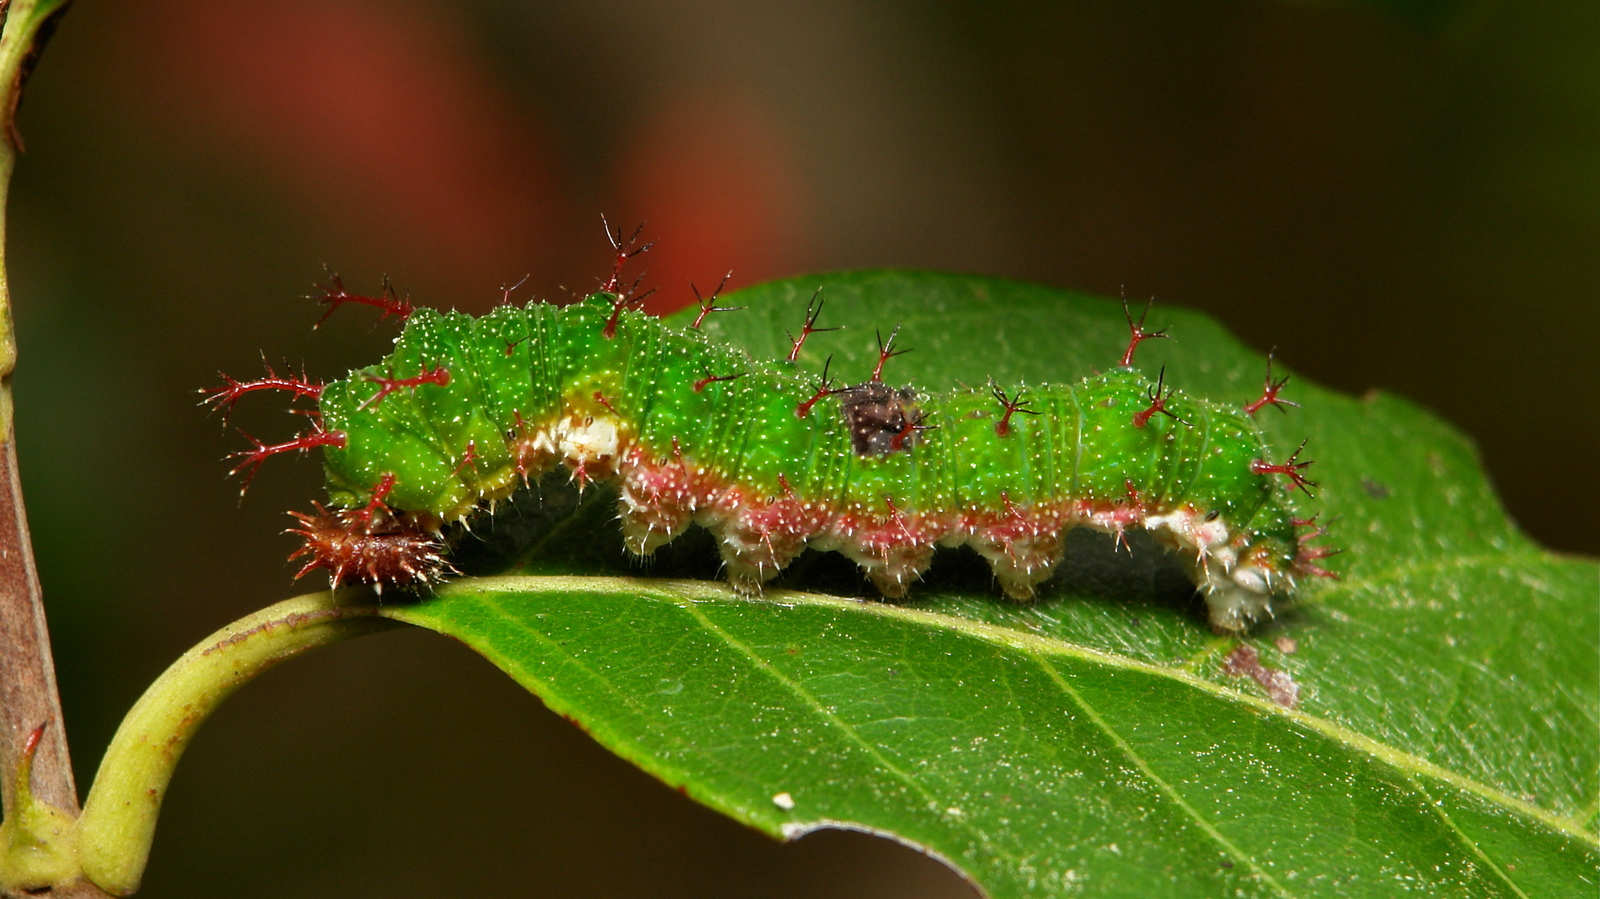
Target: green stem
[24,18]
[119,818]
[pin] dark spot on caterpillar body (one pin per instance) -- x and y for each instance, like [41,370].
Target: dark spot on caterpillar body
[467,410]
[881,419]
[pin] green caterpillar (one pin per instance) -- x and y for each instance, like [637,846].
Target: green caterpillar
[466,410]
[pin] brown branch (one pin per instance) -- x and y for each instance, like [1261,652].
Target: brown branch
[27,675]
[28,697]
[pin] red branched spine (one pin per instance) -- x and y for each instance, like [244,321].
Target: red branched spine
[886,351]
[439,375]
[254,457]
[623,300]
[1269,393]
[813,309]
[910,429]
[898,441]
[1307,557]
[511,345]
[1158,395]
[625,249]
[469,458]
[506,290]
[1289,469]
[824,388]
[233,390]
[708,380]
[334,295]
[1137,333]
[375,502]
[708,304]
[622,303]
[1011,407]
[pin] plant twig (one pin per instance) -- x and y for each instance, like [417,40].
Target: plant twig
[37,797]
[28,696]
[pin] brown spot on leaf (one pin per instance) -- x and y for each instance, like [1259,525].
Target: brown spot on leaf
[1245,661]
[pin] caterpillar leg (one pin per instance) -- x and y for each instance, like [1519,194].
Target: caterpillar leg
[1239,594]
[759,539]
[753,558]
[892,568]
[1021,563]
[1232,608]
[650,518]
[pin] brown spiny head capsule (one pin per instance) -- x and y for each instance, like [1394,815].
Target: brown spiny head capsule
[360,548]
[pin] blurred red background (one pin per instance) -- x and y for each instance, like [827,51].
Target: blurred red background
[1396,195]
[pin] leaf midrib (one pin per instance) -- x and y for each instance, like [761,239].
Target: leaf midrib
[680,591]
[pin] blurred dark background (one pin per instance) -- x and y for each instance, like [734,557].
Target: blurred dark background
[1396,195]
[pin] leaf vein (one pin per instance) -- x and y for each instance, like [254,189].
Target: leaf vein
[1167,789]
[844,727]
[1471,844]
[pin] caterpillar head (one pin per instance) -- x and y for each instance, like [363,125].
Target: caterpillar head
[357,546]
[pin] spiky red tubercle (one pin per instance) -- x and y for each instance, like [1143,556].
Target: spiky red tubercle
[623,300]
[1002,427]
[1290,469]
[813,309]
[625,248]
[709,305]
[1269,393]
[708,380]
[908,431]
[334,295]
[254,457]
[1306,556]
[1158,396]
[438,375]
[621,304]
[233,390]
[469,459]
[1137,333]
[357,547]
[824,388]
[886,351]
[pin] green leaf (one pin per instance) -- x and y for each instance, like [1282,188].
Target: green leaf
[1445,736]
